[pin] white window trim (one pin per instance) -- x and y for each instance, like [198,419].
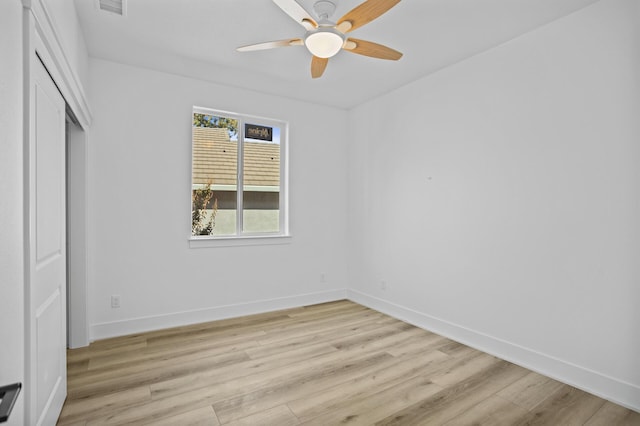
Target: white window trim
[241,240]
[245,239]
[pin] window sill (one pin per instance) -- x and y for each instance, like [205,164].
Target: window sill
[252,240]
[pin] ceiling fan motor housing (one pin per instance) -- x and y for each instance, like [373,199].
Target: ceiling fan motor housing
[324,9]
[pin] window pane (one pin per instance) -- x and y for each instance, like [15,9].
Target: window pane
[215,170]
[261,184]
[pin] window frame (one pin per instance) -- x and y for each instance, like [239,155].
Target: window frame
[240,237]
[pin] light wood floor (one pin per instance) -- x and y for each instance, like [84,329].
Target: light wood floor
[328,364]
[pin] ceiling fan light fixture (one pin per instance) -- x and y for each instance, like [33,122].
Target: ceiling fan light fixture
[324,42]
[325,38]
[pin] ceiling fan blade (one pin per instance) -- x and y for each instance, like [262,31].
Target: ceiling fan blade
[369,48]
[271,45]
[364,13]
[318,65]
[297,12]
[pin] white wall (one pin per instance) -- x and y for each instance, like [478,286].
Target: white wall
[11,230]
[500,197]
[139,206]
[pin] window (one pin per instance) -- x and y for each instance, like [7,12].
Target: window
[238,183]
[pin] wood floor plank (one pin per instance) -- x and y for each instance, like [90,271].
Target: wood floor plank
[78,423]
[96,349]
[280,416]
[122,343]
[77,367]
[334,363]
[368,321]
[194,349]
[295,386]
[388,375]
[297,325]
[428,341]
[567,406]
[387,335]
[611,414]
[530,391]
[455,349]
[78,354]
[466,367]
[78,409]
[207,331]
[214,328]
[273,347]
[252,373]
[238,323]
[141,360]
[366,411]
[457,398]
[493,411]
[314,313]
[332,308]
[204,416]
[158,410]
[325,320]
[115,380]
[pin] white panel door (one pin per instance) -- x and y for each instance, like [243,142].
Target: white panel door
[46,317]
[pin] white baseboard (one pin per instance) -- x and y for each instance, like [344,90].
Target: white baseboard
[176,319]
[609,388]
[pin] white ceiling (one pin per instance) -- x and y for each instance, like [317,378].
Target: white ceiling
[197,38]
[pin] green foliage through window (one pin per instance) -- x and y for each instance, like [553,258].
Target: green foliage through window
[203,219]
[204,120]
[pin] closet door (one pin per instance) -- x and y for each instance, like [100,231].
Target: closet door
[46,385]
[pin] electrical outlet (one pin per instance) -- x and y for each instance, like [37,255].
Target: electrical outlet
[383,285]
[115,301]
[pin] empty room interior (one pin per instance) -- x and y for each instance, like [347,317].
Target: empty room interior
[236,212]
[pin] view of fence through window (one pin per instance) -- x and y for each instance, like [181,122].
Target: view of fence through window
[224,150]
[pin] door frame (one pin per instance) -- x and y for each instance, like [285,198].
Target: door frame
[77,242]
[42,42]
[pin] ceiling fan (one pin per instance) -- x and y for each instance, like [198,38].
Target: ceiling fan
[325,38]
